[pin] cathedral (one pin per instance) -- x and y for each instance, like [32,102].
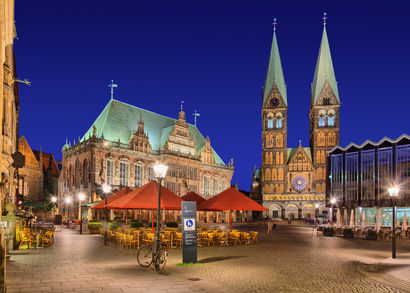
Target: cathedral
[291,182]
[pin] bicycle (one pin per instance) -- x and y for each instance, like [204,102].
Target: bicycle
[147,255]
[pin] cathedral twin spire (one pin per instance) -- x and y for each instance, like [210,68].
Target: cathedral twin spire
[274,74]
[324,70]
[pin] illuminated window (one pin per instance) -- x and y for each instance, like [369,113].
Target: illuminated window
[124,173]
[110,171]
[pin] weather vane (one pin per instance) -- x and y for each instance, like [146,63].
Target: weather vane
[112,86]
[182,105]
[324,18]
[274,23]
[196,114]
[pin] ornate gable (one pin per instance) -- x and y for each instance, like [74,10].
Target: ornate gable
[180,139]
[139,140]
[25,149]
[207,154]
[326,96]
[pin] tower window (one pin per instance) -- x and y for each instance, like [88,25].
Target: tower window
[279,123]
[322,121]
[331,119]
[270,123]
[326,101]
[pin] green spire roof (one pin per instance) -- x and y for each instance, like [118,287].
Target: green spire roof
[274,74]
[118,121]
[324,70]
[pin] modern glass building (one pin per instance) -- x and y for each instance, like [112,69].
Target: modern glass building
[359,176]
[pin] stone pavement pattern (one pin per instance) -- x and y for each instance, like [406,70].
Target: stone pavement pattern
[81,263]
[292,259]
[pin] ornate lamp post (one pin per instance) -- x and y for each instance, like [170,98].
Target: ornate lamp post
[81,197]
[332,201]
[394,192]
[106,190]
[160,171]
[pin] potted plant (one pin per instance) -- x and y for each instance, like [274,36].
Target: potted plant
[94,227]
[371,235]
[172,224]
[328,232]
[348,233]
[136,224]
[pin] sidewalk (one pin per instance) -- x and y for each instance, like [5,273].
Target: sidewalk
[81,263]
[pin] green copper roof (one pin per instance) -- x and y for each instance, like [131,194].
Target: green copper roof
[292,152]
[324,70]
[119,120]
[274,74]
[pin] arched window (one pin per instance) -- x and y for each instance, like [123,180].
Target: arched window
[322,121]
[331,116]
[274,174]
[267,175]
[215,186]
[331,138]
[321,139]
[279,140]
[270,123]
[278,123]
[331,120]
[280,174]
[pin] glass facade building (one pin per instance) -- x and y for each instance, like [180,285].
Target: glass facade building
[359,177]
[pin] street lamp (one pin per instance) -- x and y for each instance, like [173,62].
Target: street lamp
[81,197]
[394,192]
[106,189]
[160,170]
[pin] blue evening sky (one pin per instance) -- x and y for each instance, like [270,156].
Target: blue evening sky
[213,55]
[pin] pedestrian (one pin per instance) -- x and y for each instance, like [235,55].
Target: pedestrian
[270,225]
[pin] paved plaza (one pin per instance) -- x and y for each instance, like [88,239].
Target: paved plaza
[291,259]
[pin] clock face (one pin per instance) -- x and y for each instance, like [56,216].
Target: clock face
[299,183]
[274,102]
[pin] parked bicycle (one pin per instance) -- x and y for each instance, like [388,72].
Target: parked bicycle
[147,255]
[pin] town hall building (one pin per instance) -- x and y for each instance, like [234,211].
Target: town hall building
[291,182]
[123,144]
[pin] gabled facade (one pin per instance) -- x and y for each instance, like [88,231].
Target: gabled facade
[291,181]
[125,141]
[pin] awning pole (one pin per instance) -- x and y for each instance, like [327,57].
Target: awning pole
[152,218]
[230,220]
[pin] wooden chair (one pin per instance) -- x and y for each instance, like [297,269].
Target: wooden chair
[178,239]
[47,239]
[246,238]
[235,238]
[211,239]
[25,240]
[254,237]
[223,239]
[148,239]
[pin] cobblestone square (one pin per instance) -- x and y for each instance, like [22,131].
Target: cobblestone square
[291,259]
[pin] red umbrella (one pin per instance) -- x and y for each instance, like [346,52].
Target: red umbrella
[146,197]
[231,200]
[192,196]
[111,198]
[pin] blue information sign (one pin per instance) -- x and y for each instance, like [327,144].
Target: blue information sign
[189,240]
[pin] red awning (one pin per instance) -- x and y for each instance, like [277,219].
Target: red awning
[112,197]
[146,197]
[192,196]
[231,200]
